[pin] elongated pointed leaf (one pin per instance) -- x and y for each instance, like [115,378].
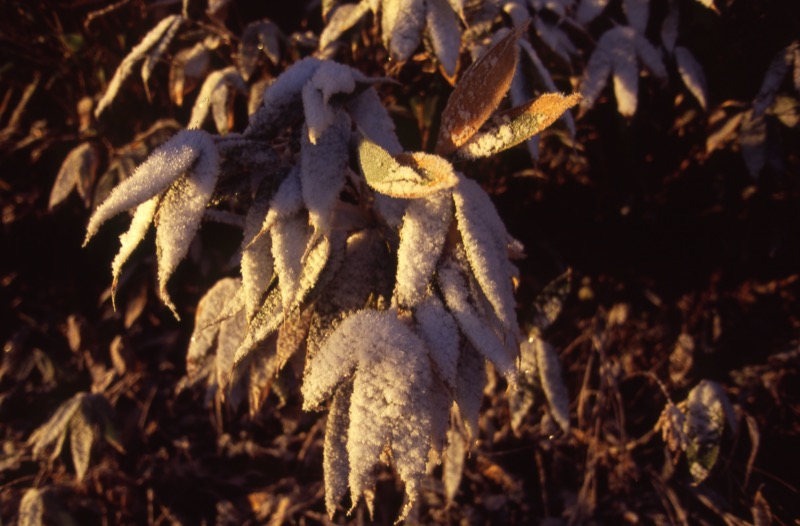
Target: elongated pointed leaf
[474,99]
[206,324]
[692,74]
[519,124]
[187,150]
[440,333]
[445,33]
[140,223]
[343,18]
[77,171]
[261,37]
[373,120]
[336,463]
[81,438]
[402,23]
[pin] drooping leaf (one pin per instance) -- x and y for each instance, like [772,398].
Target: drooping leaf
[474,99]
[519,124]
[445,33]
[328,80]
[261,37]
[439,331]
[402,22]
[692,74]
[637,12]
[336,464]
[552,382]
[206,321]
[216,95]
[266,322]
[232,331]
[589,9]
[179,215]
[187,68]
[140,223]
[188,150]
[322,170]
[31,508]
[776,72]
[422,238]
[412,175]
[555,38]
[258,266]
[753,142]
[485,243]
[373,120]
[669,28]
[81,438]
[344,17]
[164,31]
[78,171]
[453,463]
[469,386]
[158,50]
[548,303]
[521,400]
[54,430]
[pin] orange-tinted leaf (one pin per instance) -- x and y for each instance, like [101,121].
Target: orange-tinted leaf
[478,93]
[518,124]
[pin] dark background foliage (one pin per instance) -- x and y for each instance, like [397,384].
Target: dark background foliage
[664,239]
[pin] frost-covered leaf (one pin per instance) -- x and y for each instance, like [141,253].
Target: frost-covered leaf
[555,38]
[669,28]
[445,33]
[258,266]
[280,96]
[187,68]
[164,31]
[54,430]
[328,80]
[422,238]
[521,400]
[617,52]
[671,424]
[261,37]
[157,51]
[322,170]
[373,120]
[548,303]
[344,17]
[453,469]
[518,124]
[692,74]
[402,22]
[206,321]
[412,175]
[707,408]
[439,331]
[286,202]
[232,331]
[179,215]
[454,287]
[552,383]
[589,9]
[188,150]
[81,438]
[140,223]
[473,100]
[216,95]
[637,12]
[485,242]
[336,464]
[470,385]
[390,403]
[77,171]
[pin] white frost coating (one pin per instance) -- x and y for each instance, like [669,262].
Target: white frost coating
[158,50]
[287,201]
[456,295]
[328,80]
[343,18]
[402,24]
[179,216]
[776,71]
[485,242]
[130,240]
[552,382]
[173,159]
[215,95]
[373,120]
[555,38]
[77,170]
[422,237]
[335,463]
[257,265]
[445,33]
[205,330]
[390,403]
[231,334]
[650,57]
[266,321]
[290,239]
[637,11]
[692,74]
[589,9]
[440,332]
[137,53]
[322,170]
[596,74]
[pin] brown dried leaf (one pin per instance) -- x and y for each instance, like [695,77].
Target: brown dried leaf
[478,93]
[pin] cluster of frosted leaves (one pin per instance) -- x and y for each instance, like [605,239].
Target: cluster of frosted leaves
[404,24]
[391,287]
[695,426]
[79,417]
